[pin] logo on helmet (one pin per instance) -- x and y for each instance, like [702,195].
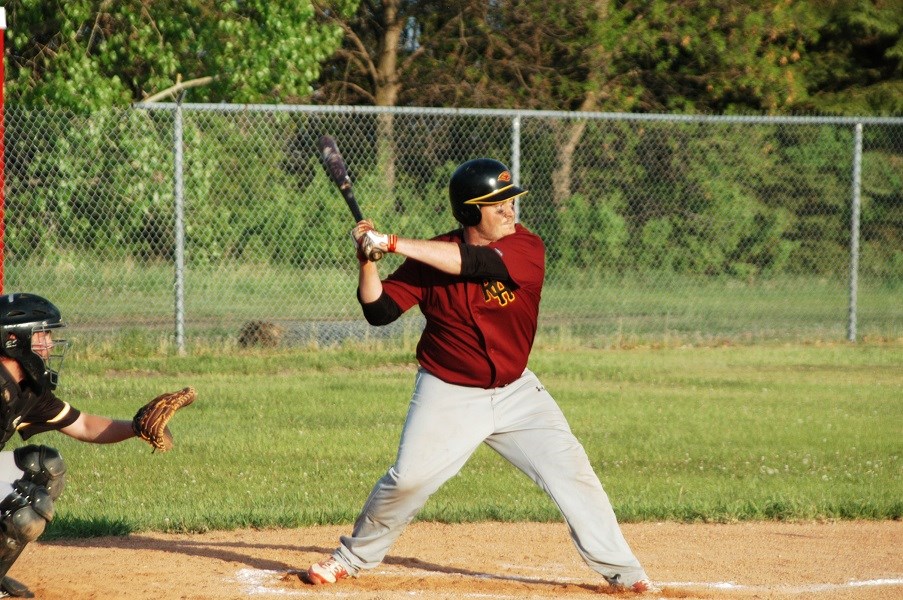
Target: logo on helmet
[505,176]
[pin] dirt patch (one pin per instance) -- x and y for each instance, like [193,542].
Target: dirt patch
[805,561]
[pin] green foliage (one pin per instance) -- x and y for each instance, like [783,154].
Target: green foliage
[854,64]
[717,56]
[528,54]
[721,56]
[270,51]
[882,199]
[89,184]
[89,54]
[726,199]
[738,200]
[255,214]
[709,434]
[686,56]
[596,234]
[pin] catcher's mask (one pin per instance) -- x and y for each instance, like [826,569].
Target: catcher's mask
[477,182]
[22,316]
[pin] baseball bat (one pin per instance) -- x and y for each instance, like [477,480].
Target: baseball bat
[338,171]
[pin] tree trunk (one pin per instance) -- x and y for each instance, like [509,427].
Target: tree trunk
[562,175]
[386,87]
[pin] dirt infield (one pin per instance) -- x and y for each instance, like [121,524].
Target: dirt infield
[823,561]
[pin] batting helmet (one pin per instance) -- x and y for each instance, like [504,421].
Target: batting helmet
[21,316]
[479,181]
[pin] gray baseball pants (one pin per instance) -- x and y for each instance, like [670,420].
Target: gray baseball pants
[445,425]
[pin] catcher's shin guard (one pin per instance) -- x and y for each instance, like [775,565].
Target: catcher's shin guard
[42,465]
[25,511]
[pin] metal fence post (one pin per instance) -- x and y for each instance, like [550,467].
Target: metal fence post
[178,194]
[631,257]
[854,232]
[515,158]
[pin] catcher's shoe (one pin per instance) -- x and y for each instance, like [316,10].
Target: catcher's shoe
[643,586]
[327,571]
[10,588]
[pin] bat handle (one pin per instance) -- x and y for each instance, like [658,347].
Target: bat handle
[376,255]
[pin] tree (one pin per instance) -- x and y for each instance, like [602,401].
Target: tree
[696,55]
[527,54]
[710,56]
[88,54]
[855,64]
[381,44]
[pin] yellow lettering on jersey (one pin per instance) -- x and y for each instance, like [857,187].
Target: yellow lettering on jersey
[496,290]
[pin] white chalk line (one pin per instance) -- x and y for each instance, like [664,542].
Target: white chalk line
[256,580]
[259,582]
[784,588]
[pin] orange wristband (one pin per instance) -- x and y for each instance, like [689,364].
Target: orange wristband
[393,241]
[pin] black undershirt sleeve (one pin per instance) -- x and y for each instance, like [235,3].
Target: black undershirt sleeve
[381,311]
[480,262]
[477,262]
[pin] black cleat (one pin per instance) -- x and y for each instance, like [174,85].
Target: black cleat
[16,589]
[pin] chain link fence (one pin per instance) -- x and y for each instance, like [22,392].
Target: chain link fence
[215,224]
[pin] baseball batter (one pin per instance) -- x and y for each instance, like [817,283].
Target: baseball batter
[479,288]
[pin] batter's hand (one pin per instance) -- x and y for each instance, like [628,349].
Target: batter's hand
[360,229]
[372,244]
[356,234]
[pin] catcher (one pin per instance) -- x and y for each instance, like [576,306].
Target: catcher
[32,476]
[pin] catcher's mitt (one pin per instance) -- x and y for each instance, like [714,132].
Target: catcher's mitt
[150,421]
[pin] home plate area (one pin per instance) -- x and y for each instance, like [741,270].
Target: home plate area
[823,560]
[837,560]
[412,582]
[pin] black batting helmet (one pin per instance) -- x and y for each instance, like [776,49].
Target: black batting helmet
[479,181]
[21,315]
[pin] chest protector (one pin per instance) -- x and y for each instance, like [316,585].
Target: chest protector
[14,403]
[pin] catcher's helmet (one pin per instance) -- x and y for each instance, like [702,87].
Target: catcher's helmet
[21,315]
[479,181]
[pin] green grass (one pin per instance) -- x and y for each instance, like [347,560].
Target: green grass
[618,311]
[290,438]
[697,310]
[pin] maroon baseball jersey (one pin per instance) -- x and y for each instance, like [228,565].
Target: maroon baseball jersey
[478,333]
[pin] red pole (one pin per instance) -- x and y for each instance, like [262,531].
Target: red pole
[2,148]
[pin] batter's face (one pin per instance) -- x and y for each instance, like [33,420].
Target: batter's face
[496,222]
